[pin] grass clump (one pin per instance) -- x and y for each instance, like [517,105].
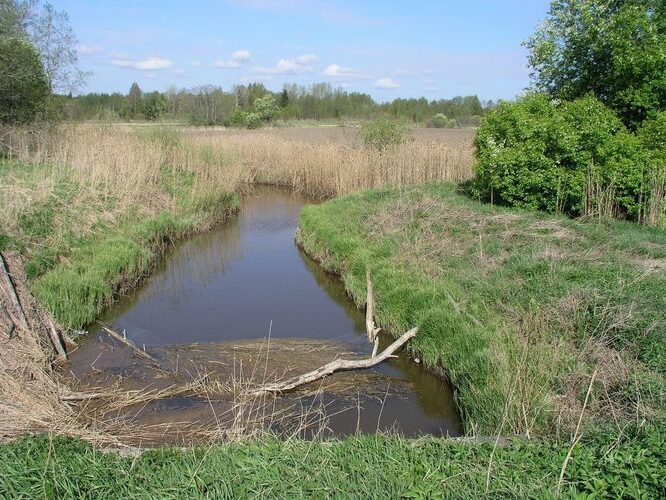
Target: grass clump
[606,465]
[518,308]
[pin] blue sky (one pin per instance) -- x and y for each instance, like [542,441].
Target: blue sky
[436,49]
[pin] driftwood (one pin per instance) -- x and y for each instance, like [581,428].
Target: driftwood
[57,342]
[370,327]
[128,343]
[336,365]
[13,296]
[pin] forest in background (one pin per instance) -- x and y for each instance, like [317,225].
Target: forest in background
[212,105]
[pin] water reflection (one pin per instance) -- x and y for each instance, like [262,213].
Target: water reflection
[232,283]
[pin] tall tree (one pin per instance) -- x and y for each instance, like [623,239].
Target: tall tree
[54,38]
[614,49]
[134,98]
[50,32]
[284,98]
[23,83]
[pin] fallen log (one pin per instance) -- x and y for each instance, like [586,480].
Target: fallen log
[124,340]
[334,366]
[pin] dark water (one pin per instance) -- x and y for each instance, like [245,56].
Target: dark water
[248,279]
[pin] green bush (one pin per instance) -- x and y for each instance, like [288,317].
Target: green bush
[442,121]
[266,107]
[572,157]
[253,120]
[384,133]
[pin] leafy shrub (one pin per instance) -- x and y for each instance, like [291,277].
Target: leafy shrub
[266,107]
[573,157]
[253,120]
[237,119]
[440,120]
[384,133]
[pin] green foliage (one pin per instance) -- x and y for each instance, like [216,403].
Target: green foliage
[606,465]
[384,133]
[253,120]
[237,119]
[154,106]
[652,135]
[615,50]
[24,84]
[441,121]
[571,157]
[266,107]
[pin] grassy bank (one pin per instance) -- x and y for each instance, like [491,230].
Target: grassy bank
[90,224]
[521,310]
[631,465]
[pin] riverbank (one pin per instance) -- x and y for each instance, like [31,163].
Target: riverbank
[523,311]
[467,274]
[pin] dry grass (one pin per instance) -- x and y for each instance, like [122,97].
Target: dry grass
[331,162]
[109,171]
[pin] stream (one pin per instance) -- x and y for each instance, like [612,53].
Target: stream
[247,288]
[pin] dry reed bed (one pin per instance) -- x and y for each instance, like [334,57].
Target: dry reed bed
[108,171]
[328,167]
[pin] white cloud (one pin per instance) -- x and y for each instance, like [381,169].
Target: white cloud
[221,63]
[195,64]
[241,55]
[148,64]
[386,83]
[337,71]
[300,64]
[178,72]
[238,58]
[88,50]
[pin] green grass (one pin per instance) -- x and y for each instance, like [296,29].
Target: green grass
[603,465]
[518,308]
[76,276]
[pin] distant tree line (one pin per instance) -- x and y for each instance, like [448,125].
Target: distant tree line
[252,105]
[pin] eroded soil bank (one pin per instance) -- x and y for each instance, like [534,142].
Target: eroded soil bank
[239,306]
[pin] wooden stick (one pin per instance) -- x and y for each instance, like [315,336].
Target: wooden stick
[336,365]
[11,291]
[370,328]
[128,343]
[55,339]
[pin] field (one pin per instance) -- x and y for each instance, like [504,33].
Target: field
[549,328]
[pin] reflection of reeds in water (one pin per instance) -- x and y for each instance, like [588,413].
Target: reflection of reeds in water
[196,263]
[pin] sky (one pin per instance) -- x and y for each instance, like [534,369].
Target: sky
[408,48]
